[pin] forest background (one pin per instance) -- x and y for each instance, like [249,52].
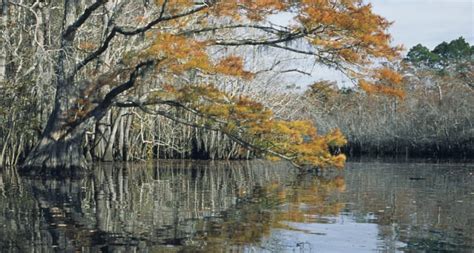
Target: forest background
[430,113]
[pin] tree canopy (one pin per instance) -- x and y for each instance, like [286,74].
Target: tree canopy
[169,53]
[455,59]
[442,55]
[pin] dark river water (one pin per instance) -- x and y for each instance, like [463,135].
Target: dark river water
[256,206]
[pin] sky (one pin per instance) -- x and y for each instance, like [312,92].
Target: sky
[428,22]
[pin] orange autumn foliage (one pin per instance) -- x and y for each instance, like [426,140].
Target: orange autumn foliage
[387,82]
[233,66]
[255,125]
[343,34]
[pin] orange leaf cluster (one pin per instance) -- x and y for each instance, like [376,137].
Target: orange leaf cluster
[348,30]
[256,124]
[233,66]
[343,33]
[386,82]
[388,75]
[179,54]
[381,89]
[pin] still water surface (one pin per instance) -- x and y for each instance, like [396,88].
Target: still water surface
[253,206]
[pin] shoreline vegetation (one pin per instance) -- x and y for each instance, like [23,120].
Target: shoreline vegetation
[435,118]
[86,88]
[418,126]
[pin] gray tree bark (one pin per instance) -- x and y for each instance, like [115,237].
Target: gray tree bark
[4,35]
[60,146]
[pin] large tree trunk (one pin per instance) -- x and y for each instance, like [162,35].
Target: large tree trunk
[60,147]
[65,153]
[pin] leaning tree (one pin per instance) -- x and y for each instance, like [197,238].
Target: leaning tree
[177,46]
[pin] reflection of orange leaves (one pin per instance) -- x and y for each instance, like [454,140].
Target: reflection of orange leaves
[308,198]
[339,161]
[305,199]
[340,183]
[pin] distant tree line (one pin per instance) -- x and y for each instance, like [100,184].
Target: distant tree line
[434,118]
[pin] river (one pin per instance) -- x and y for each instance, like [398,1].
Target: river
[241,206]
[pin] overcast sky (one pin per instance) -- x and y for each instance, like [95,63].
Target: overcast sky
[428,22]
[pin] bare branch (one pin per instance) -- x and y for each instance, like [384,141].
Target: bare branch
[105,104]
[97,52]
[268,29]
[295,70]
[120,30]
[232,136]
[71,30]
[161,18]
[251,42]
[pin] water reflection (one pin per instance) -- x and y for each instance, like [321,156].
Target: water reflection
[425,206]
[185,206]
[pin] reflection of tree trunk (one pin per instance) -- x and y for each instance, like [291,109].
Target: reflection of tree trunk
[100,200]
[107,210]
